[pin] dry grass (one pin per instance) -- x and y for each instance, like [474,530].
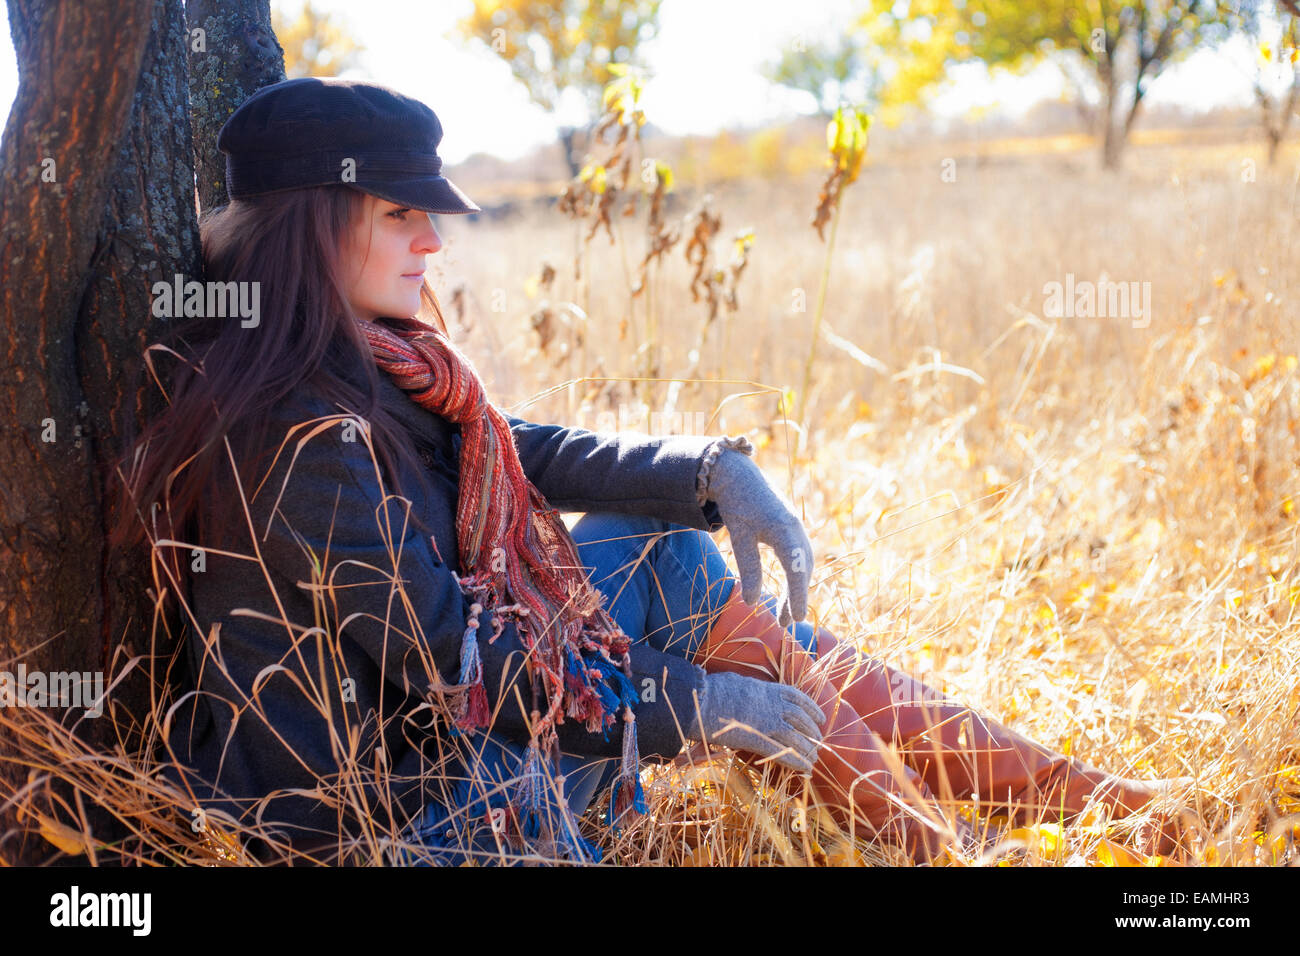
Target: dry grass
[1087,528]
[1094,535]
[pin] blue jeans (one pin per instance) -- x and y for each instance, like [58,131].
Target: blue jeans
[664,585]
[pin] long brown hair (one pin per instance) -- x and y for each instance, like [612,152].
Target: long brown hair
[229,375]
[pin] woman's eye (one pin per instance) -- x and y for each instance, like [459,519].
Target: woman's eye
[399,213]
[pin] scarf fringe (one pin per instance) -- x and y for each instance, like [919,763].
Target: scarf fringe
[558,837]
[628,794]
[473,710]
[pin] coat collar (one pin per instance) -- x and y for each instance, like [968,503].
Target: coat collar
[417,419]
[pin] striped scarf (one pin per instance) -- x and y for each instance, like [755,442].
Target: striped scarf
[518,561]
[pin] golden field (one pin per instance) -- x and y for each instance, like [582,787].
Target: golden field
[1086,525]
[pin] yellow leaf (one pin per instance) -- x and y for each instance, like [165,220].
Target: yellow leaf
[65,838]
[1094,817]
[1112,854]
[845,855]
[1045,837]
[1276,845]
[665,174]
[835,130]
[697,857]
[613,92]
[846,138]
[1262,367]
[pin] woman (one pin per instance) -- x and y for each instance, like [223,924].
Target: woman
[394,638]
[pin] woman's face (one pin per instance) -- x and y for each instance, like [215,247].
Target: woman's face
[383,259]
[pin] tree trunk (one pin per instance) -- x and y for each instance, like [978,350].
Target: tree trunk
[1276,132]
[1112,148]
[61,145]
[239,54]
[1113,134]
[98,203]
[568,136]
[148,232]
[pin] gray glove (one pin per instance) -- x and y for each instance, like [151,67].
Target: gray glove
[774,719]
[753,512]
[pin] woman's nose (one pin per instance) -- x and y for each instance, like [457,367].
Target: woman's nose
[429,242]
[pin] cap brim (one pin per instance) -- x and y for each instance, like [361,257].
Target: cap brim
[429,194]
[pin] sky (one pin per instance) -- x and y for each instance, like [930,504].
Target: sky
[704,69]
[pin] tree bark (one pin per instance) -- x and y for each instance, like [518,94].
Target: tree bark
[1277,131]
[239,55]
[61,145]
[1112,136]
[98,203]
[568,142]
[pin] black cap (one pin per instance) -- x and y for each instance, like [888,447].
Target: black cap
[303,132]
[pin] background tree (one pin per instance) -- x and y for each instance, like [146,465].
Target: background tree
[908,50]
[315,43]
[97,203]
[1125,45]
[564,45]
[834,72]
[1274,32]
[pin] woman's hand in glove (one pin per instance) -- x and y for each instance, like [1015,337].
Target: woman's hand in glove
[763,717]
[753,512]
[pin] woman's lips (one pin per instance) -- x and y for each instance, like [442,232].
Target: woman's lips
[416,276]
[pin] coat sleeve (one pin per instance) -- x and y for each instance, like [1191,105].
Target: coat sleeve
[624,472]
[332,520]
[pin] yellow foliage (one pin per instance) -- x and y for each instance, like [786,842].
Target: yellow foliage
[1043,838]
[1112,854]
[846,138]
[68,840]
[315,44]
[767,151]
[582,43]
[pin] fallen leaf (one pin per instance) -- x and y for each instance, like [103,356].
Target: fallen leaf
[65,838]
[1112,854]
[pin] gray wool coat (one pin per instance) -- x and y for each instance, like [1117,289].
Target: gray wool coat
[273,708]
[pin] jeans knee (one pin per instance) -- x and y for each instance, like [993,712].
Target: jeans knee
[607,525]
